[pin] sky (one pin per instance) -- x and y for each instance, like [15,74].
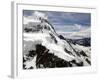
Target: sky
[66,21]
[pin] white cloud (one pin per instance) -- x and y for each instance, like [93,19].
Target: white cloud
[70,28]
[80,32]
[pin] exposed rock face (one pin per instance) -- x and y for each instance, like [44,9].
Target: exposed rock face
[44,48]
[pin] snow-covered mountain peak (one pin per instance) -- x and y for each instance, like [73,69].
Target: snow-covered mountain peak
[35,18]
[38,23]
[43,46]
[40,15]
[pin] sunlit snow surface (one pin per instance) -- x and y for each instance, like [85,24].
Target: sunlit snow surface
[44,48]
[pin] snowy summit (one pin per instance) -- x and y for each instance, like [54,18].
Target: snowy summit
[44,48]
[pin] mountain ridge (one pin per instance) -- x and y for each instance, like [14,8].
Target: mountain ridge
[44,48]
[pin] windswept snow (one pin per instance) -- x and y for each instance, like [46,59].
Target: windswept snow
[35,18]
[40,15]
[31,63]
[56,49]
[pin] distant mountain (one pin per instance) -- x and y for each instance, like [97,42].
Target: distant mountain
[44,48]
[84,42]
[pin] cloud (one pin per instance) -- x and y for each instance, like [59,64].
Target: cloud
[83,33]
[64,17]
[69,28]
[27,13]
[69,18]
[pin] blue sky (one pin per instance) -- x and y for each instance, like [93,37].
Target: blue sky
[66,21]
